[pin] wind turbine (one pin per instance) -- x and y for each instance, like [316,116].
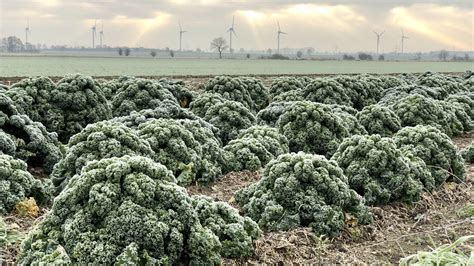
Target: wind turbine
[279,32]
[403,39]
[378,39]
[101,34]
[231,31]
[181,31]
[94,31]
[27,30]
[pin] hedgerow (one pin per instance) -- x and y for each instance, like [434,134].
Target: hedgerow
[180,150]
[302,190]
[284,84]
[27,140]
[137,94]
[450,84]
[435,148]
[95,142]
[378,119]
[16,184]
[235,232]
[146,218]
[312,127]
[81,103]
[273,141]
[204,101]
[326,91]
[34,97]
[258,92]
[229,117]
[468,153]
[232,89]
[378,170]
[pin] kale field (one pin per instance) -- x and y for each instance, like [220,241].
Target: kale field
[364,168]
[20,66]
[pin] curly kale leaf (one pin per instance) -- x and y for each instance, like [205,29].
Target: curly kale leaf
[378,170]
[435,148]
[302,190]
[16,184]
[378,119]
[97,141]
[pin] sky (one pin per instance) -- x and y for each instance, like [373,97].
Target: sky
[328,26]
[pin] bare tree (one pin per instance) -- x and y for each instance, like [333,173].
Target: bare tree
[13,44]
[120,51]
[220,45]
[127,51]
[443,55]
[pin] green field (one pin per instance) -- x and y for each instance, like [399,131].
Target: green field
[14,66]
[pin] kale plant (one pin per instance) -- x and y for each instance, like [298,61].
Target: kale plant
[302,190]
[378,119]
[16,184]
[378,170]
[97,141]
[435,148]
[230,117]
[137,94]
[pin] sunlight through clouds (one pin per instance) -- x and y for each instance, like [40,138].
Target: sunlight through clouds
[141,26]
[443,24]
[347,24]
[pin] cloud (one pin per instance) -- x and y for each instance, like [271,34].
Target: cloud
[347,24]
[445,25]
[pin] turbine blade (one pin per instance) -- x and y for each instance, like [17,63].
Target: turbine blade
[235,34]
[278,22]
[233,20]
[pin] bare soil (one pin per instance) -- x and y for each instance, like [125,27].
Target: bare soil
[397,231]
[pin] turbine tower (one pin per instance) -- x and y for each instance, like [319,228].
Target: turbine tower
[278,38]
[231,31]
[403,39]
[378,39]
[94,31]
[101,34]
[27,30]
[181,31]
